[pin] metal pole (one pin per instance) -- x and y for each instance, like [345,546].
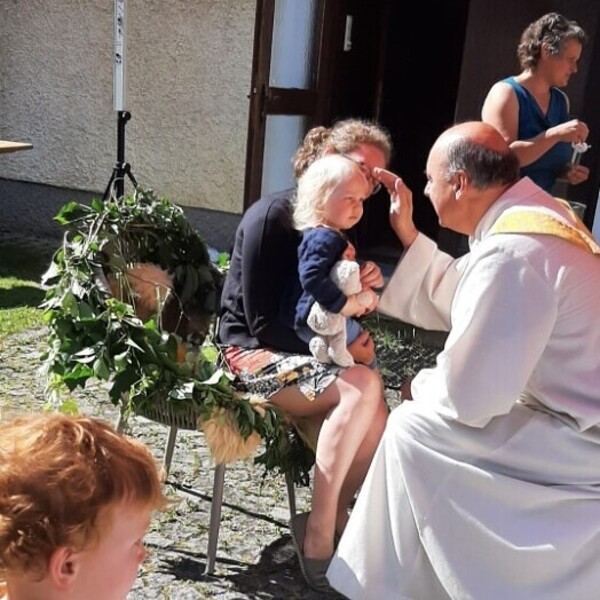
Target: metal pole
[121,168]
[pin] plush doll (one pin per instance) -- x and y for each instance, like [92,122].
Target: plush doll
[330,343]
[150,290]
[145,286]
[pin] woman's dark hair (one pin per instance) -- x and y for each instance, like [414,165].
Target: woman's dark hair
[343,137]
[551,31]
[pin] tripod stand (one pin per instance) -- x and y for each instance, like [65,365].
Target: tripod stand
[121,167]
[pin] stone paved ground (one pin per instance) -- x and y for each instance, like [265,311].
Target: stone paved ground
[255,557]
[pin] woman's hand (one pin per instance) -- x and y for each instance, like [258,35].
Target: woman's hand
[401,206]
[362,348]
[576,174]
[574,131]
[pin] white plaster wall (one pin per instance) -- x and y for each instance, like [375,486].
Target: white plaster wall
[188,70]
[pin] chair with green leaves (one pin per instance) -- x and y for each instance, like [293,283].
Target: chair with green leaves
[131,300]
[187,419]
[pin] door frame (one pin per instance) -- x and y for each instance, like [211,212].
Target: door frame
[314,103]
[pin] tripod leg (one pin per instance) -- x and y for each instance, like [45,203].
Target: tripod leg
[111,181]
[122,168]
[130,174]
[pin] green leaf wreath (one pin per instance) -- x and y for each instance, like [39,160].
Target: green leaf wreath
[95,335]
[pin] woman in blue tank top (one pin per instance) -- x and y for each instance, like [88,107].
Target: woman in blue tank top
[530,110]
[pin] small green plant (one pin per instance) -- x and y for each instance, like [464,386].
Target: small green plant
[399,349]
[93,334]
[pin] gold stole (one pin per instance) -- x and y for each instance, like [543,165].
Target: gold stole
[533,221]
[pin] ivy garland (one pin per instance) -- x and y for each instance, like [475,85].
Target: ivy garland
[93,335]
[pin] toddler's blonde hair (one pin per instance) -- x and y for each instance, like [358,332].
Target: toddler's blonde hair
[316,185]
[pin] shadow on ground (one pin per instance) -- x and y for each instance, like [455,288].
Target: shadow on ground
[20,296]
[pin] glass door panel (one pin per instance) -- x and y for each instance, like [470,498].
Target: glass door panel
[294,49]
[290,88]
[283,135]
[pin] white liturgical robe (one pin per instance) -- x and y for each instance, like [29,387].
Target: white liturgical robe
[487,485]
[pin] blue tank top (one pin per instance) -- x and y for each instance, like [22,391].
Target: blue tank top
[532,121]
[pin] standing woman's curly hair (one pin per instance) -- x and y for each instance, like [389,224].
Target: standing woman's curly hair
[343,137]
[550,30]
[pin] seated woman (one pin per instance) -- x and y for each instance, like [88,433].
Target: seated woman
[265,352]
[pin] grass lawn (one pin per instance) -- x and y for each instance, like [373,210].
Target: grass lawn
[21,269]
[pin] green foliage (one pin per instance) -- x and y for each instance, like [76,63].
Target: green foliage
[93,335]
[400,349]
[286,452]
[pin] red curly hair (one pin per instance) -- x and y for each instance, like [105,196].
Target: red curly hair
[59,475]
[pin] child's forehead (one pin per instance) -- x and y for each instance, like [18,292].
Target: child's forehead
[126,517]
[353,182]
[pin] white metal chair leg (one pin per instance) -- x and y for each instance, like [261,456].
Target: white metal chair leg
[291,490]
[169,449]
[215,519]
[217,497]
[121,422]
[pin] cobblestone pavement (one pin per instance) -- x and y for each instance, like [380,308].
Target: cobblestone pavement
[255,556]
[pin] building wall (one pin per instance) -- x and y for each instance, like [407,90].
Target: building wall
[188,67]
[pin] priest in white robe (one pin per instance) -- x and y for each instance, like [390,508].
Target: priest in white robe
[486,485]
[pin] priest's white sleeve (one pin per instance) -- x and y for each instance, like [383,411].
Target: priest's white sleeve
[422,286]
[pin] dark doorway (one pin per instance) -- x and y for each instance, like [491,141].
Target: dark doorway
[371,61]
[415,76]
[411,67]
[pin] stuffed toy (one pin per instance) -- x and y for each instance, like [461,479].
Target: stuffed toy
[145,286]
[151,292]
[330,343]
